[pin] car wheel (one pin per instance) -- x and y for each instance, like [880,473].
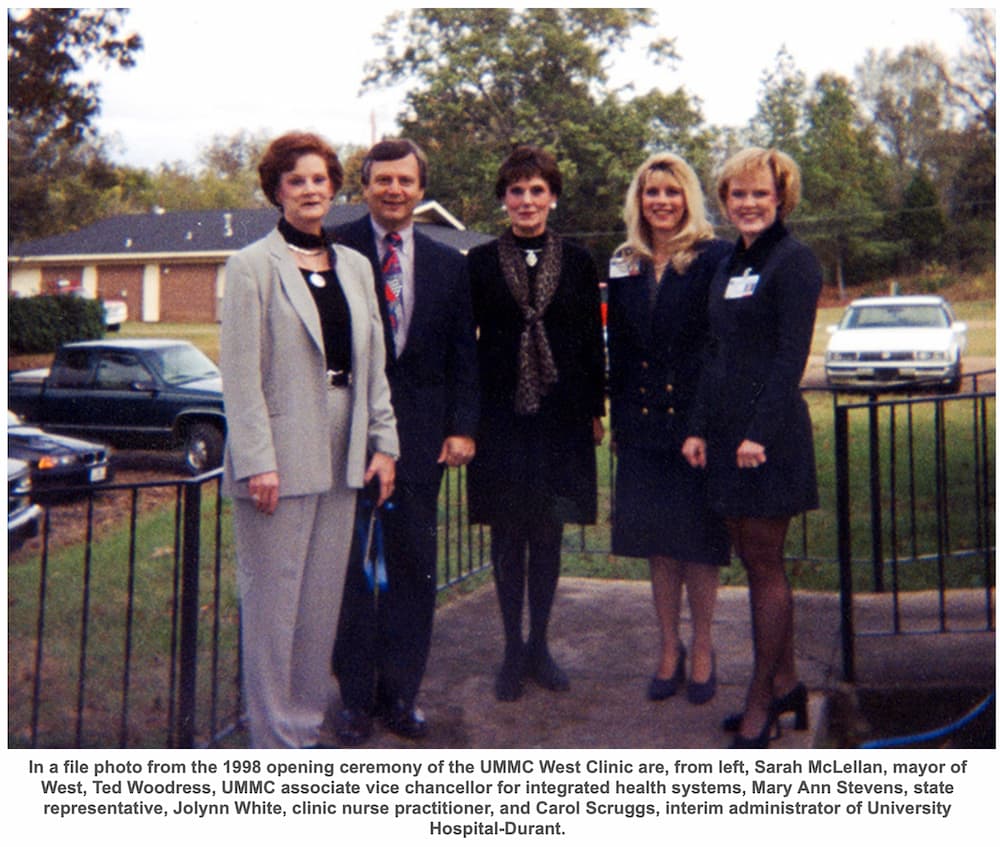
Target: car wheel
[954,385]
[203,447]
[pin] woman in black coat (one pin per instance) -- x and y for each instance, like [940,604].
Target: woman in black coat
[536,303]
[751,427]
[657,331]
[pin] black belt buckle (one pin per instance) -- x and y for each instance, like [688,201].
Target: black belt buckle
[338,379]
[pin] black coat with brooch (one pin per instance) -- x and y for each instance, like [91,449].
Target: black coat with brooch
[543,461]
[761,332]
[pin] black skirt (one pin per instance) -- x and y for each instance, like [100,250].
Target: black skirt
[661,509]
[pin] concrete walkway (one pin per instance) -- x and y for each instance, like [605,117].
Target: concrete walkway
[604,635]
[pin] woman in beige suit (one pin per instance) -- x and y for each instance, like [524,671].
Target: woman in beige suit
[309,423]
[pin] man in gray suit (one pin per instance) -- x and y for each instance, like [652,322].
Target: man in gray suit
[423,293]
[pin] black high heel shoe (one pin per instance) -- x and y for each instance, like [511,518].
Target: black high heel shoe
[759,742]
[796,700]
[661,689]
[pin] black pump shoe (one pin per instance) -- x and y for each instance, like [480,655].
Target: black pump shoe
[758,742]
[660,688]
[796,700]
[700,693]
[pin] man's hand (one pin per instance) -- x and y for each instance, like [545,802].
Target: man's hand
[457,450]
[598,431]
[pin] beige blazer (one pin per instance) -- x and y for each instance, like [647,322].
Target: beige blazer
[274,372]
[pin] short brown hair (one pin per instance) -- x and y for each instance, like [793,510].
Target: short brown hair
[392,150]
[524,162]
[282,154]
[787,179]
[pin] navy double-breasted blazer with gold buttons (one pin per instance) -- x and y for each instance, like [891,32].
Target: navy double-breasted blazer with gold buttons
[656,342]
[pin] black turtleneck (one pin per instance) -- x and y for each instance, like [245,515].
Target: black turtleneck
[334,313]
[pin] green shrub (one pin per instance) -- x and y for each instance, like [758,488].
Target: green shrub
[40,324]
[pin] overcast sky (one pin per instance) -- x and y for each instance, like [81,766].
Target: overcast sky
[210,70]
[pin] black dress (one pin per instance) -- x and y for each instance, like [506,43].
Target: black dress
[543,463]
[657,333]
[762,310]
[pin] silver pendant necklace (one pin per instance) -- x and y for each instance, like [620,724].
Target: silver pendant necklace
[316,280]
[531,256]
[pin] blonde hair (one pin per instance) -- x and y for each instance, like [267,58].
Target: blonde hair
[787,179]
[695,226]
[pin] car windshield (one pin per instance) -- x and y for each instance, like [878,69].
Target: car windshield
[178,365]
[895,317]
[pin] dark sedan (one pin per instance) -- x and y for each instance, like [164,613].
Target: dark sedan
[57,462]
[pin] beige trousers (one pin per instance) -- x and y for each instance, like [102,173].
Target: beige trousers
[291,567]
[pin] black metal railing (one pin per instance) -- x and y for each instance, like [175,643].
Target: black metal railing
[133,633]
[131,636]
[915,492]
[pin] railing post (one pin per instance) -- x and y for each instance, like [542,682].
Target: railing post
[875,493]
[842,453]
[190,565]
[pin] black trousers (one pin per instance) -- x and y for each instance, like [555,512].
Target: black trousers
[383,641]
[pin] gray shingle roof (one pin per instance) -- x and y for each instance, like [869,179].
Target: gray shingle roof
[214,231]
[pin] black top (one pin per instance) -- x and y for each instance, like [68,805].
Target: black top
[334,318]
[334,313]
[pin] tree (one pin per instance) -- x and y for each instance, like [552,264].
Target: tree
[779,121]
[921,220]
[45,49]
[57,168]
[842,171]
[490,78]
[972,79]
[906,98]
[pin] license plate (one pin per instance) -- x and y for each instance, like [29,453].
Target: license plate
[98,474]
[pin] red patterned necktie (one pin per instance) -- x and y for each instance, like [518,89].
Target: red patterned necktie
[392,277]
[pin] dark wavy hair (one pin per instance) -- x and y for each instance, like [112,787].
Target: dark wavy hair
[282,154]
[525,162]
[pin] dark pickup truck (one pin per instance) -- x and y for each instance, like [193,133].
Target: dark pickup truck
[139,393]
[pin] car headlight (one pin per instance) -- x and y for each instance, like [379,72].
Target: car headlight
[47,463]
[838,356]
[931,355]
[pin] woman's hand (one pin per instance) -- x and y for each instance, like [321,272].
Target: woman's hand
[382,466]
[750,454]
[264,491]
[598,431]
[695,451]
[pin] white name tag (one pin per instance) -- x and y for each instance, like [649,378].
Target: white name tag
[742,286]
[624,264]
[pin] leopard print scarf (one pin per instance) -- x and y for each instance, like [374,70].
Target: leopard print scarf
[536,367]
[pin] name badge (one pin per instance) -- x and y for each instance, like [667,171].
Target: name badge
[742,286]
[624,263]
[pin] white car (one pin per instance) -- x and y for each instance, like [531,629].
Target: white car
[115,311]
[889,341]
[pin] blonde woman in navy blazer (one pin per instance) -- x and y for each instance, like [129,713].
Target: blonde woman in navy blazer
[751,426]
[657,331]
[309,423]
